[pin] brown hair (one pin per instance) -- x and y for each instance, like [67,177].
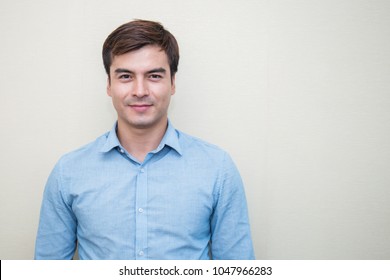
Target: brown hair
[136,34]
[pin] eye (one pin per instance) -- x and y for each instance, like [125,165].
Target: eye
[155,77]
[124,77]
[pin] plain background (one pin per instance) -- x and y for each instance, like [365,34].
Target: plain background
[298,92]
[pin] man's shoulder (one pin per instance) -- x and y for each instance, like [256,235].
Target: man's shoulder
[193,144]
[198,151]
[84,152]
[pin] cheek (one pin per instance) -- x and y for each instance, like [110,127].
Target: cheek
[164,92]
[117,98]
[165,101]
[119,91]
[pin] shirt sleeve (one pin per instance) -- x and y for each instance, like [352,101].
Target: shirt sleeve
[230,230]
[56,238]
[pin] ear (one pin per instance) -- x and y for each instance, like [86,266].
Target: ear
[173,81]
[108,86]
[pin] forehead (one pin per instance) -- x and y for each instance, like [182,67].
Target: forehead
[146,57]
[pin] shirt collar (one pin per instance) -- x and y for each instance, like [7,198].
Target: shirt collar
[111,140]
[170,139]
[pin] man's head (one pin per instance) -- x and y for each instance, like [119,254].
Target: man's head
[136,34]
[141,60]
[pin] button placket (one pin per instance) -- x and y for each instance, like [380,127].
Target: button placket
[141,217]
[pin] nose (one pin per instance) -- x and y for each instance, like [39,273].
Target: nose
[140,88]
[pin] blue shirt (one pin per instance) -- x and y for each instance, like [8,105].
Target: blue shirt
[184,201]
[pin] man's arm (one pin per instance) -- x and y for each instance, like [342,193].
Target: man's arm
[231,237]
[56,237]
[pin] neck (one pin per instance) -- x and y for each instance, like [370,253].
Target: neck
[140,141]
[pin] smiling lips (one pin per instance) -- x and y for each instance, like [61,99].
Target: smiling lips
[140,108]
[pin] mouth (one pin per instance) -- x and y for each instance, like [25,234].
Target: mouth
[140,108]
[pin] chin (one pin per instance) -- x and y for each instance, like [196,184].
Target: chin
[143,124]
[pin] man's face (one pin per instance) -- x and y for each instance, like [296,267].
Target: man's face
[140,86]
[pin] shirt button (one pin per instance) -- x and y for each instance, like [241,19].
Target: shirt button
[140,210]
[121,151]
[142,170]
[141,253]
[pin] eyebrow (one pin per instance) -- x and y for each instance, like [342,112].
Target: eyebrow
[155,70]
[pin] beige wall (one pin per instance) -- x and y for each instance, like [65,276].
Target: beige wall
[297,91]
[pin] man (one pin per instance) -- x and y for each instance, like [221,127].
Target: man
[144,190]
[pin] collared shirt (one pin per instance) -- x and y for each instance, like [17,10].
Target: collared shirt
[184,201]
